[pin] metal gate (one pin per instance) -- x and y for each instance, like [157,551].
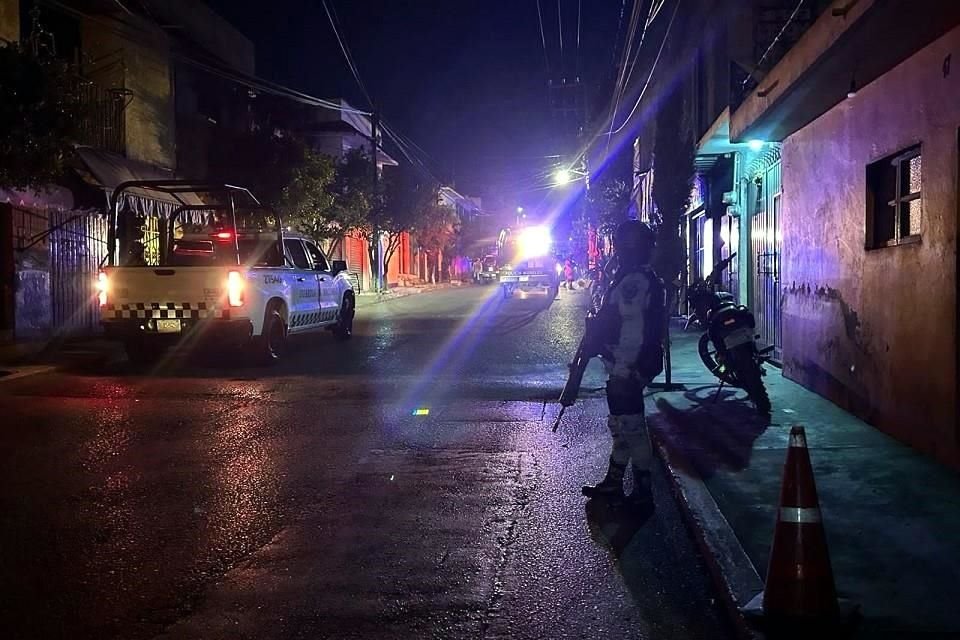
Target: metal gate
[765,239]
[78,244]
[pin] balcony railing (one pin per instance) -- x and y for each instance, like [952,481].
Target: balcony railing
[102,124]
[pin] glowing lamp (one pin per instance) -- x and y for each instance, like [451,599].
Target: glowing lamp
[103,286]
[756,145]
[562,176]
[235,286]
[421,412]
[534,242]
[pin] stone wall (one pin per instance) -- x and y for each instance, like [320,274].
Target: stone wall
[876,331]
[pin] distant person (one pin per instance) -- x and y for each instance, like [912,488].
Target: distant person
[569,273]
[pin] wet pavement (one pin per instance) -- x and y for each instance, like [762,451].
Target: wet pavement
[204,499]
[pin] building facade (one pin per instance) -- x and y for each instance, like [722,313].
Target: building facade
[868,214]
[831,167]
[138,79]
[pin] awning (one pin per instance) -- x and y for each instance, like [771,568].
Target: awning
[106,170]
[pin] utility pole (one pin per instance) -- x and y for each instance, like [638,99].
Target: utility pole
[374,146]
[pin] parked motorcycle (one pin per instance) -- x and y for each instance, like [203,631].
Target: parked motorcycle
[728,347]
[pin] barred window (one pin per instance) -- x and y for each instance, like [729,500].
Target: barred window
[894,200]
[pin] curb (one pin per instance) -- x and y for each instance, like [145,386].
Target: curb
[370,299]
[16,373]
[732,572]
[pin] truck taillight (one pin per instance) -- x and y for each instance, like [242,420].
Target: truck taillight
[235,286]
[103,285]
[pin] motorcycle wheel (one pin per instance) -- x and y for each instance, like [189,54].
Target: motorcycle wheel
[708,355]
[749,374]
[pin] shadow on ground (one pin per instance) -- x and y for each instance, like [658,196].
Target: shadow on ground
[709,432]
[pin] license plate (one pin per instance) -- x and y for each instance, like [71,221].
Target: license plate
[738,337]
[168,326]
[524,278]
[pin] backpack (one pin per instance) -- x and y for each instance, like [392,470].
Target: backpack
[649,362]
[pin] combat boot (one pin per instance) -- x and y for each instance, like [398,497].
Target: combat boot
[610,487]
[642,495]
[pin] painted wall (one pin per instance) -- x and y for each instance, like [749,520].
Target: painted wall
[875,331]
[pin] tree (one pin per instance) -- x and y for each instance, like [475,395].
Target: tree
[406,201]
[609,202]
[355,202]
[317,204]
[40,116]
[436,229]
[673,179]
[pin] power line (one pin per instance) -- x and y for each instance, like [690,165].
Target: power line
[653,68]
[774,43]
[577,57]
[643,36]
[346,54]
[406,146]
[266,86]
[620,85]
[238,77]
[543,38]
[560,27]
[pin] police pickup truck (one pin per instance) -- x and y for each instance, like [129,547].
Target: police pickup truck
[208,275]
[529,264]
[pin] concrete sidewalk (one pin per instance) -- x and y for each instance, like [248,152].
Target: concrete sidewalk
[394,293]
[892,516]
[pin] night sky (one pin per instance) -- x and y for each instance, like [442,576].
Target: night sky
[465,79]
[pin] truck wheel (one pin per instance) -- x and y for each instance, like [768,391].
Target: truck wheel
[142,352]
[271,344]
[344,327]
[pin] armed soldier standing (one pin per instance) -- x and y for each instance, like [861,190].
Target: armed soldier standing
[627,333]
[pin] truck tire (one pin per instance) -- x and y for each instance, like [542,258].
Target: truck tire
[343,330]
[269,347]
[142,352]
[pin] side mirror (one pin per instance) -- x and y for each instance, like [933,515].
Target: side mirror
[337,266]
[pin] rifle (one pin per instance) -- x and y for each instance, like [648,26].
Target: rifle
[579,365]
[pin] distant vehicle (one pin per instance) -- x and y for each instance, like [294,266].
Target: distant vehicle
[217,274]
[489,272]
[527,261]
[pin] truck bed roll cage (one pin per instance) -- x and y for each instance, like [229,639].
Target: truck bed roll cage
[225,196]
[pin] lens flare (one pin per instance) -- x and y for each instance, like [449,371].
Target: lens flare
[534,242]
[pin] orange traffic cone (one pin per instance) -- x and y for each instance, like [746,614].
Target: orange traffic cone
[800,596]
[799,577]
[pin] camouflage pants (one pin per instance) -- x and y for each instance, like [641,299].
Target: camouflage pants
[628,425]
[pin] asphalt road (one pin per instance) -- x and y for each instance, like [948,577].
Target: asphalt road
[207,500]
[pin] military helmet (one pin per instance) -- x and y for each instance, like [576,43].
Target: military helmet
[634,236]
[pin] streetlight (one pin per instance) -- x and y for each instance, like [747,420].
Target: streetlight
[562,176]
